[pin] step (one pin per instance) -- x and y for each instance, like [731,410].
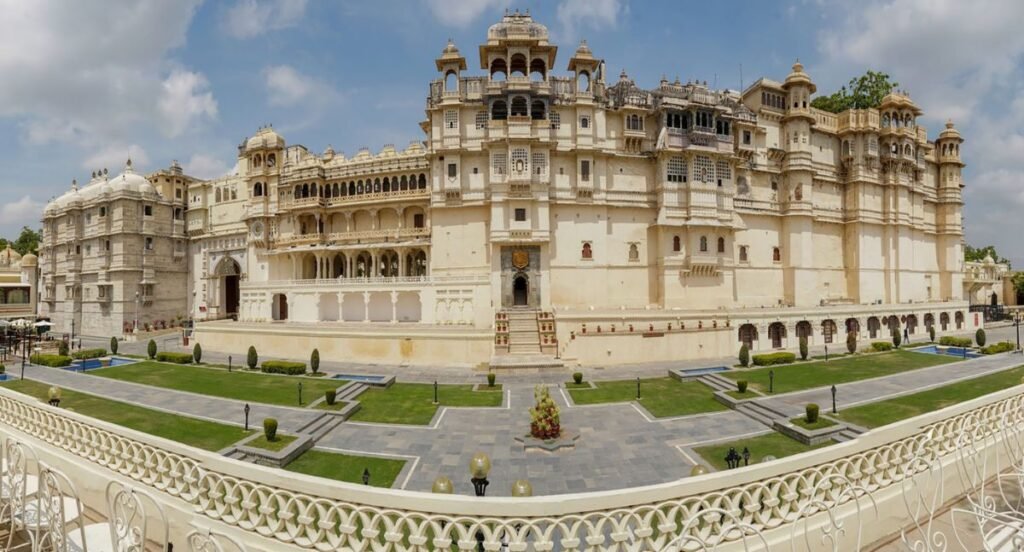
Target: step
[533,360]
[718,383]
[350,391]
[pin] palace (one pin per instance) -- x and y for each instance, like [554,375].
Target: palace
[577,216]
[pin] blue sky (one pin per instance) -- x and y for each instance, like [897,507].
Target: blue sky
[85,84]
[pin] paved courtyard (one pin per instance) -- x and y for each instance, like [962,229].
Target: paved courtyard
[620,445]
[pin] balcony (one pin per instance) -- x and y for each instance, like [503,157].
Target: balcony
[699,138]
[702,264]
[362,236]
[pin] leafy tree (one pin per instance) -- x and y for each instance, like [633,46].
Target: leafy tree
[862,92]
[314,361]
[27,242]
[931,333]
[979,337]
[113,345]
[803,347]
[851,342]
[197,353]
[1018,282]
[251,359]
[972,254]
[151,349]
[896,339]
[744,357]
[62,348]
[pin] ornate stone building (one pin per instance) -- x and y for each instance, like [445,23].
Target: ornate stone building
[18,275]
[114,251]
[586,218]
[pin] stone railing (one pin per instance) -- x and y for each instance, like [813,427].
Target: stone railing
[837,498]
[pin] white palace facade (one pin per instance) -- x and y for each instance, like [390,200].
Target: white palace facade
[577,216]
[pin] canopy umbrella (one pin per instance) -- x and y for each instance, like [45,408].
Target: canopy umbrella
[4,324]
[42,323]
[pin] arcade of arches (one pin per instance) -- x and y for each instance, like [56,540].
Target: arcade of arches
[777,335]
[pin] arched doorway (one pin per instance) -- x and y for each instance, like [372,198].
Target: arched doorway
[229,273]
[776,332]
[748,335]
[874,326]
[520,291]
[280,307]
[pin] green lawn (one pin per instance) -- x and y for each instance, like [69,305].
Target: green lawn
[908,406]
[345,467]
[237,384]
[774,444]
[190,431]
[279,442]
[797,377]
[819,424]
[662,397]
[412,403]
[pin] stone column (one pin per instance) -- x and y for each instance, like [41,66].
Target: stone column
[366,306]
[394,307]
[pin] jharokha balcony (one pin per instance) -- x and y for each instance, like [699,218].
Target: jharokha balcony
[361,236]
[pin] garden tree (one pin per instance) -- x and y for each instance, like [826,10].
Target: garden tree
[744,355]
[931,333]
[979,337]
[62,348]
[896,339]
[862,92]
[977,255]
[851,342]
[27,242]
[113,345]
[803,347]
[251,359]
[314,361]
[151,349]
[545,422]
[197,353]
[1018,283]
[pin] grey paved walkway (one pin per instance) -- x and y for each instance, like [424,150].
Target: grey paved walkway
[198,406]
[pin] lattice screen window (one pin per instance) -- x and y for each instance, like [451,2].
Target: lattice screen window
[519,161]
[499,163]
[724,172]
[556,119]
[540,163]
[676,169]
[451,118]
[703,169]
[481,120]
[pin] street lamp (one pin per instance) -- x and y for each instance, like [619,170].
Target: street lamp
[366,476]
[247,416]
[833,399]
[479,467]
[1016,323]
[638,388]
[771,381]
[300,393]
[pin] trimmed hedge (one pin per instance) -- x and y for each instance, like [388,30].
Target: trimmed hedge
[2,368]
[176,358]
[741,386]
[53,361]
[330,396]
[979,337]
[770,359]
[577,377]
[89,353]
[811,413]
[881,346]
[996,348]
[950,341]
[270,428]
[283,367]
[113,345]
[744,355]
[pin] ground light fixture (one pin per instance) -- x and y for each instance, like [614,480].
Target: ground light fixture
[442,485]
[366,476]
[54,395]
[522,488]
[479,467]
[698,470]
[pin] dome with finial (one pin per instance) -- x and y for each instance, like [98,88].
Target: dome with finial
[449,55]
[515,24]
[28,260]
[989,260]
[583,49]
[9,257]
[798,76]
[265,137]
[950,133]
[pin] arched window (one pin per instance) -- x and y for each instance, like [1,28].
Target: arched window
[423,181]
[776,254]
[721,245]
[583,82]
[775,185]
[743,253]
[742,187]
[451,82]
[257,190]
[234,193]
[518,66]
[376,185]
[499,110]
[634,252]
[404,183]
[351,188]
[885,120]
[271,160]
[387,184]
[217,195]
[498,69]
[676,245]
[587,252]
[538,110]
[703,244]
[305,190]
[518,107]
[538,70]
[846,147]
[257,161]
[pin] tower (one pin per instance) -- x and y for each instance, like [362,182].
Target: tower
[796,240]
[949,211]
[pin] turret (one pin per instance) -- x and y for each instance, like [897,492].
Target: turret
[585,69]
[450,65]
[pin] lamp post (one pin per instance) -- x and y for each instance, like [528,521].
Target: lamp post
[366,476]
[71,342]
[771,381]
[638,388]
[1016,322]
[435,391]
[833,399]
[826,353]
[229,363]
[479,467]
[300,393]
[746,456]
[247,416]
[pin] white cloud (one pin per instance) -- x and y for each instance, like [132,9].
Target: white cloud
[963,60]
[114,158]
[23,211]
[75,72]
[461,13]
[250,18]
[184,99]
[205,166]
[593,14]
[287,87]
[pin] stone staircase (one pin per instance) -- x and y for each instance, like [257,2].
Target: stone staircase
[849,433]
[717,382]
[524,338]
[523,333]
[760,412]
